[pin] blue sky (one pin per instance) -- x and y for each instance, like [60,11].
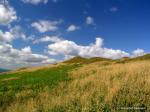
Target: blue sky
[46,31]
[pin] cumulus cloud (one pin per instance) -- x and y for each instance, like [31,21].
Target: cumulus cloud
[14,33]
[138,52]
[69,48]
[35,2]
[14,58]
[90,20]
[44,25]
[72,28]
[17,32]
[6,37]
[48,39]
[26,50]
[7,14]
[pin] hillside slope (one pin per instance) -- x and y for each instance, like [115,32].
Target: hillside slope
[78,85]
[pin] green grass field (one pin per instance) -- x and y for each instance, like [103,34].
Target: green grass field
[79,85]
[11,84]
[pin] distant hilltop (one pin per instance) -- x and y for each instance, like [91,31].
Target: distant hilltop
[3,70]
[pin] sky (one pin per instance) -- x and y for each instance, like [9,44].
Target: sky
[39,32]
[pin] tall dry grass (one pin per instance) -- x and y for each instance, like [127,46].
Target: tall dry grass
[96,87]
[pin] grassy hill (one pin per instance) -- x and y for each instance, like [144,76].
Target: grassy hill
[140,58]
[81,60]
[79,85]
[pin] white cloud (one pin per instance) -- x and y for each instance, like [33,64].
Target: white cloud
[72,28]
[70,48]
[14,33]
[35,2]
[17,32]
[90,20]
[138,52]
[7,14]
[48,39]
[14,58]
[6,37]
[26,50]
[44,25]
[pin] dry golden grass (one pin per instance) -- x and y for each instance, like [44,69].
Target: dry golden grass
[95,87]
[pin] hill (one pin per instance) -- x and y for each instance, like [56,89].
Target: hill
[140,58]
[79,85]
[145,57]
[3,70]
[82,60]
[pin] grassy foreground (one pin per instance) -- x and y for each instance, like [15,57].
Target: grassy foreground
[99,86]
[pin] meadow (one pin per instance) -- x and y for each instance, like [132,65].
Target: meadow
[79,85]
